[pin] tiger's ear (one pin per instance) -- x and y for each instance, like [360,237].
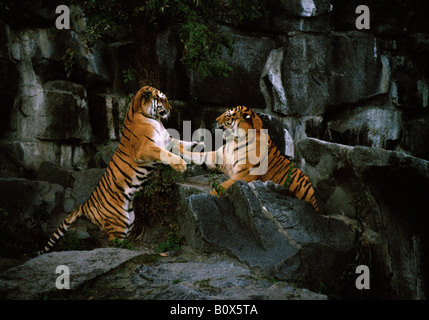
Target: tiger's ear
[136,102]
[147,95]
[256,121]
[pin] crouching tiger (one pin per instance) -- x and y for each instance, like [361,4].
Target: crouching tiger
[144,143]
[238,158]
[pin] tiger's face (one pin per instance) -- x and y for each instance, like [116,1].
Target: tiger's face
[154,103]
[237,118]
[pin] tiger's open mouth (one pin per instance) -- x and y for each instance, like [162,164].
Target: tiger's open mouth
[164,113]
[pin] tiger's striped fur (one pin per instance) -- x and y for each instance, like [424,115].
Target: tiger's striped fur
[144,138]
[234,157]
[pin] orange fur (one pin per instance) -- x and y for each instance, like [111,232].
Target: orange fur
[143,140]
[278,165]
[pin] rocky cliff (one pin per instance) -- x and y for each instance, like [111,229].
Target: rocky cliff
[349,106]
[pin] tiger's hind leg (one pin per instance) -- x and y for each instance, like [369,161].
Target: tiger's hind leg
[116,234]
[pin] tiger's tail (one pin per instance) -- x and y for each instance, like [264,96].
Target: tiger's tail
[62,229]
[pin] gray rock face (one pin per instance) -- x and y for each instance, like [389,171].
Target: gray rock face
[241,87]
[26,206]
[358,70]
[368,126]
[311,72]
[33,209]
[385,192]
[212,280]
[303,8]
[110,273]
[263,227]
[37,277]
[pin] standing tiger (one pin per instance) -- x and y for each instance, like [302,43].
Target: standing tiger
[239,160]
[144,143]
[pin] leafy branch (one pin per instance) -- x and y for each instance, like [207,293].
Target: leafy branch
[202,44]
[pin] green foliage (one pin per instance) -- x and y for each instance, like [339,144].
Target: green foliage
[288,179]
[104,17]
[215,181]
[129,75]
[203,45]
[71,241]
[122,244]
[203,284]
[165,183]
[173,240]
[69,60]
[4,213]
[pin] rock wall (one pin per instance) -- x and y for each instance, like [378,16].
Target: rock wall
[349,106]
[62,99]
[324,78]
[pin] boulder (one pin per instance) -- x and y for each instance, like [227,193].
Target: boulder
[370,126]
[52,54]
[212,279]
[65,113]
[261,225]
[388,17]
[26,206]
[110,273]
[55,111]
[241,87]
[415,135]
[36,278]
[29,155]
[385,193]
[278,134]
[172,73]
[29,14]
[294,81]
[304,77]
[106,114]
[84,183]
[54,174]
[302,8]
[358,70]
[8,89]
[31,210]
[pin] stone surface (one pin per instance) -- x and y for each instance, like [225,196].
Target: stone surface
[303,8]
[270,232]
[367,126]
[65,113]
[271,82]
[110,273]
[294,81]
[84,183]
[385,192]
[278,134]
[37,277]
[358,71]
[26,206]
[213,279]
[304,64]
[241,87]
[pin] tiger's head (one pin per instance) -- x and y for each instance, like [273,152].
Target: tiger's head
[237,118]
[152,103]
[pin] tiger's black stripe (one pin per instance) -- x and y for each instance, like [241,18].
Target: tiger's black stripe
[279,168]
[110,204]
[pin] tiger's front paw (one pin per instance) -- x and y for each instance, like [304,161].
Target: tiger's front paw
[199,144]
[180,166]
[215,193]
